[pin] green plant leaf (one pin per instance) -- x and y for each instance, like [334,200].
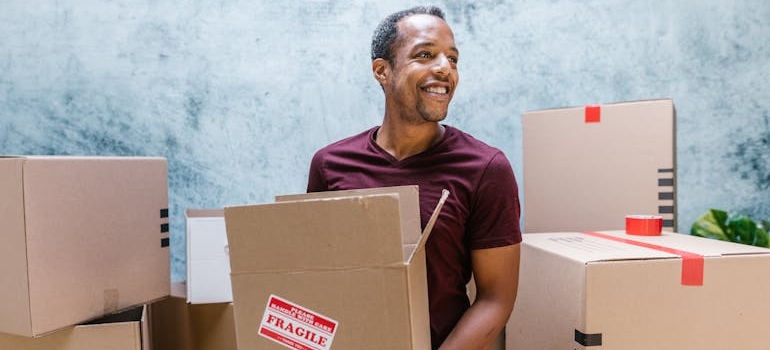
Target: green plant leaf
[719,217]
[732,227]
[765,225]
[763,238]
[709,225]
[741,229]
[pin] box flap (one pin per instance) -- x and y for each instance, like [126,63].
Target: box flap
[315,234]
[145,329]
[408,198]
[14,280]
[432,221]
[586,248]
[122,331]
[204,213]
[698,245]
[622,103]
[208,260]
[177,325]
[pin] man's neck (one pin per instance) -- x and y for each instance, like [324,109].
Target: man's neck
[403,141]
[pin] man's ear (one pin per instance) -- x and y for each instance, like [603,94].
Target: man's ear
[381,70]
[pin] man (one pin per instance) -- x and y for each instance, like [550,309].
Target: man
[414,59]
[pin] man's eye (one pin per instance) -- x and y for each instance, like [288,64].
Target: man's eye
[453,59]
[424,55]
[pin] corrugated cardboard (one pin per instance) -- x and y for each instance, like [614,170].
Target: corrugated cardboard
[578,291]
[575,165]
[127,330]
[208,261]
[177,325]
[350,257]
[81,237]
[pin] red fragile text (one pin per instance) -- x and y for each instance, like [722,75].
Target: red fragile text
[298,330]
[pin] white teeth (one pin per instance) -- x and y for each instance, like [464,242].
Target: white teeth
[437,90]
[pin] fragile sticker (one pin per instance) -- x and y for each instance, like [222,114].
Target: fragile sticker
[296,327]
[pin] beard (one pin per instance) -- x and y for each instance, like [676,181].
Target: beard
[431,115]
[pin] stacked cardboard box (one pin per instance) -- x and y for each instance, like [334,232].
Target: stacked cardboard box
[339,270]
[585,169]
[82,237]
[126,330]
[609,290]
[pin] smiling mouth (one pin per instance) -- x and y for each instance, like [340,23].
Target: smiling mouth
[437,89]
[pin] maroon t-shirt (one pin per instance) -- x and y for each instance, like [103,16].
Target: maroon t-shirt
[482,210]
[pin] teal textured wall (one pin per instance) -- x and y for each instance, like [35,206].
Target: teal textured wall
[239,94]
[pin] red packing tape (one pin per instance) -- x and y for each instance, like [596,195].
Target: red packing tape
[644,225]
[692,263]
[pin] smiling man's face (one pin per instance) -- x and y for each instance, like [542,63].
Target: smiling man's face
[423,75]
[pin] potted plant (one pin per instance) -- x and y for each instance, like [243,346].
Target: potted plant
[732,227]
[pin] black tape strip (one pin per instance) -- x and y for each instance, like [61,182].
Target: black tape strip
[665,209]
[164,213]
[668,223]
[665,182]
[665,195]
[666,170]
[588,339]
[163,228]
[164,242]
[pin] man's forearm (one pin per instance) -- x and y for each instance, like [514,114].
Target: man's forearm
[479,327]
[496,275]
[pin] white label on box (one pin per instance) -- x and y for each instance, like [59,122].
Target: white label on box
[296,327]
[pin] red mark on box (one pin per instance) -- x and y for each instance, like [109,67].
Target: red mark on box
[593,114]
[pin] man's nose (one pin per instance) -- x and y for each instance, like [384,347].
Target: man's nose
[442,65]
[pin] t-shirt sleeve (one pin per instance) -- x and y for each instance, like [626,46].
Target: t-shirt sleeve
[494,218]
[316,181]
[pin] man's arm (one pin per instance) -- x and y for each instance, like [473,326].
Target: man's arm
[496,271]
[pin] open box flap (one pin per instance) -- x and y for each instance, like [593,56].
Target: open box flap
[432,221]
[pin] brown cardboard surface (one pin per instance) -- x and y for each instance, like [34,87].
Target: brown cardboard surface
[574,169]
[83,239]
[171,324]
[341,257]
[14,280]
[324,249]
[633,298]
[124,331]
[213,326]
[409,210]
[177,325]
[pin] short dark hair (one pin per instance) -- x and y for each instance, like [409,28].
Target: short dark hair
[386,33]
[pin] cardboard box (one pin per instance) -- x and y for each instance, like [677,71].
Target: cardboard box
[620,292]
[177,325]
[82,237]
[578,160]
[208,261]
[336,270]
[127,330]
